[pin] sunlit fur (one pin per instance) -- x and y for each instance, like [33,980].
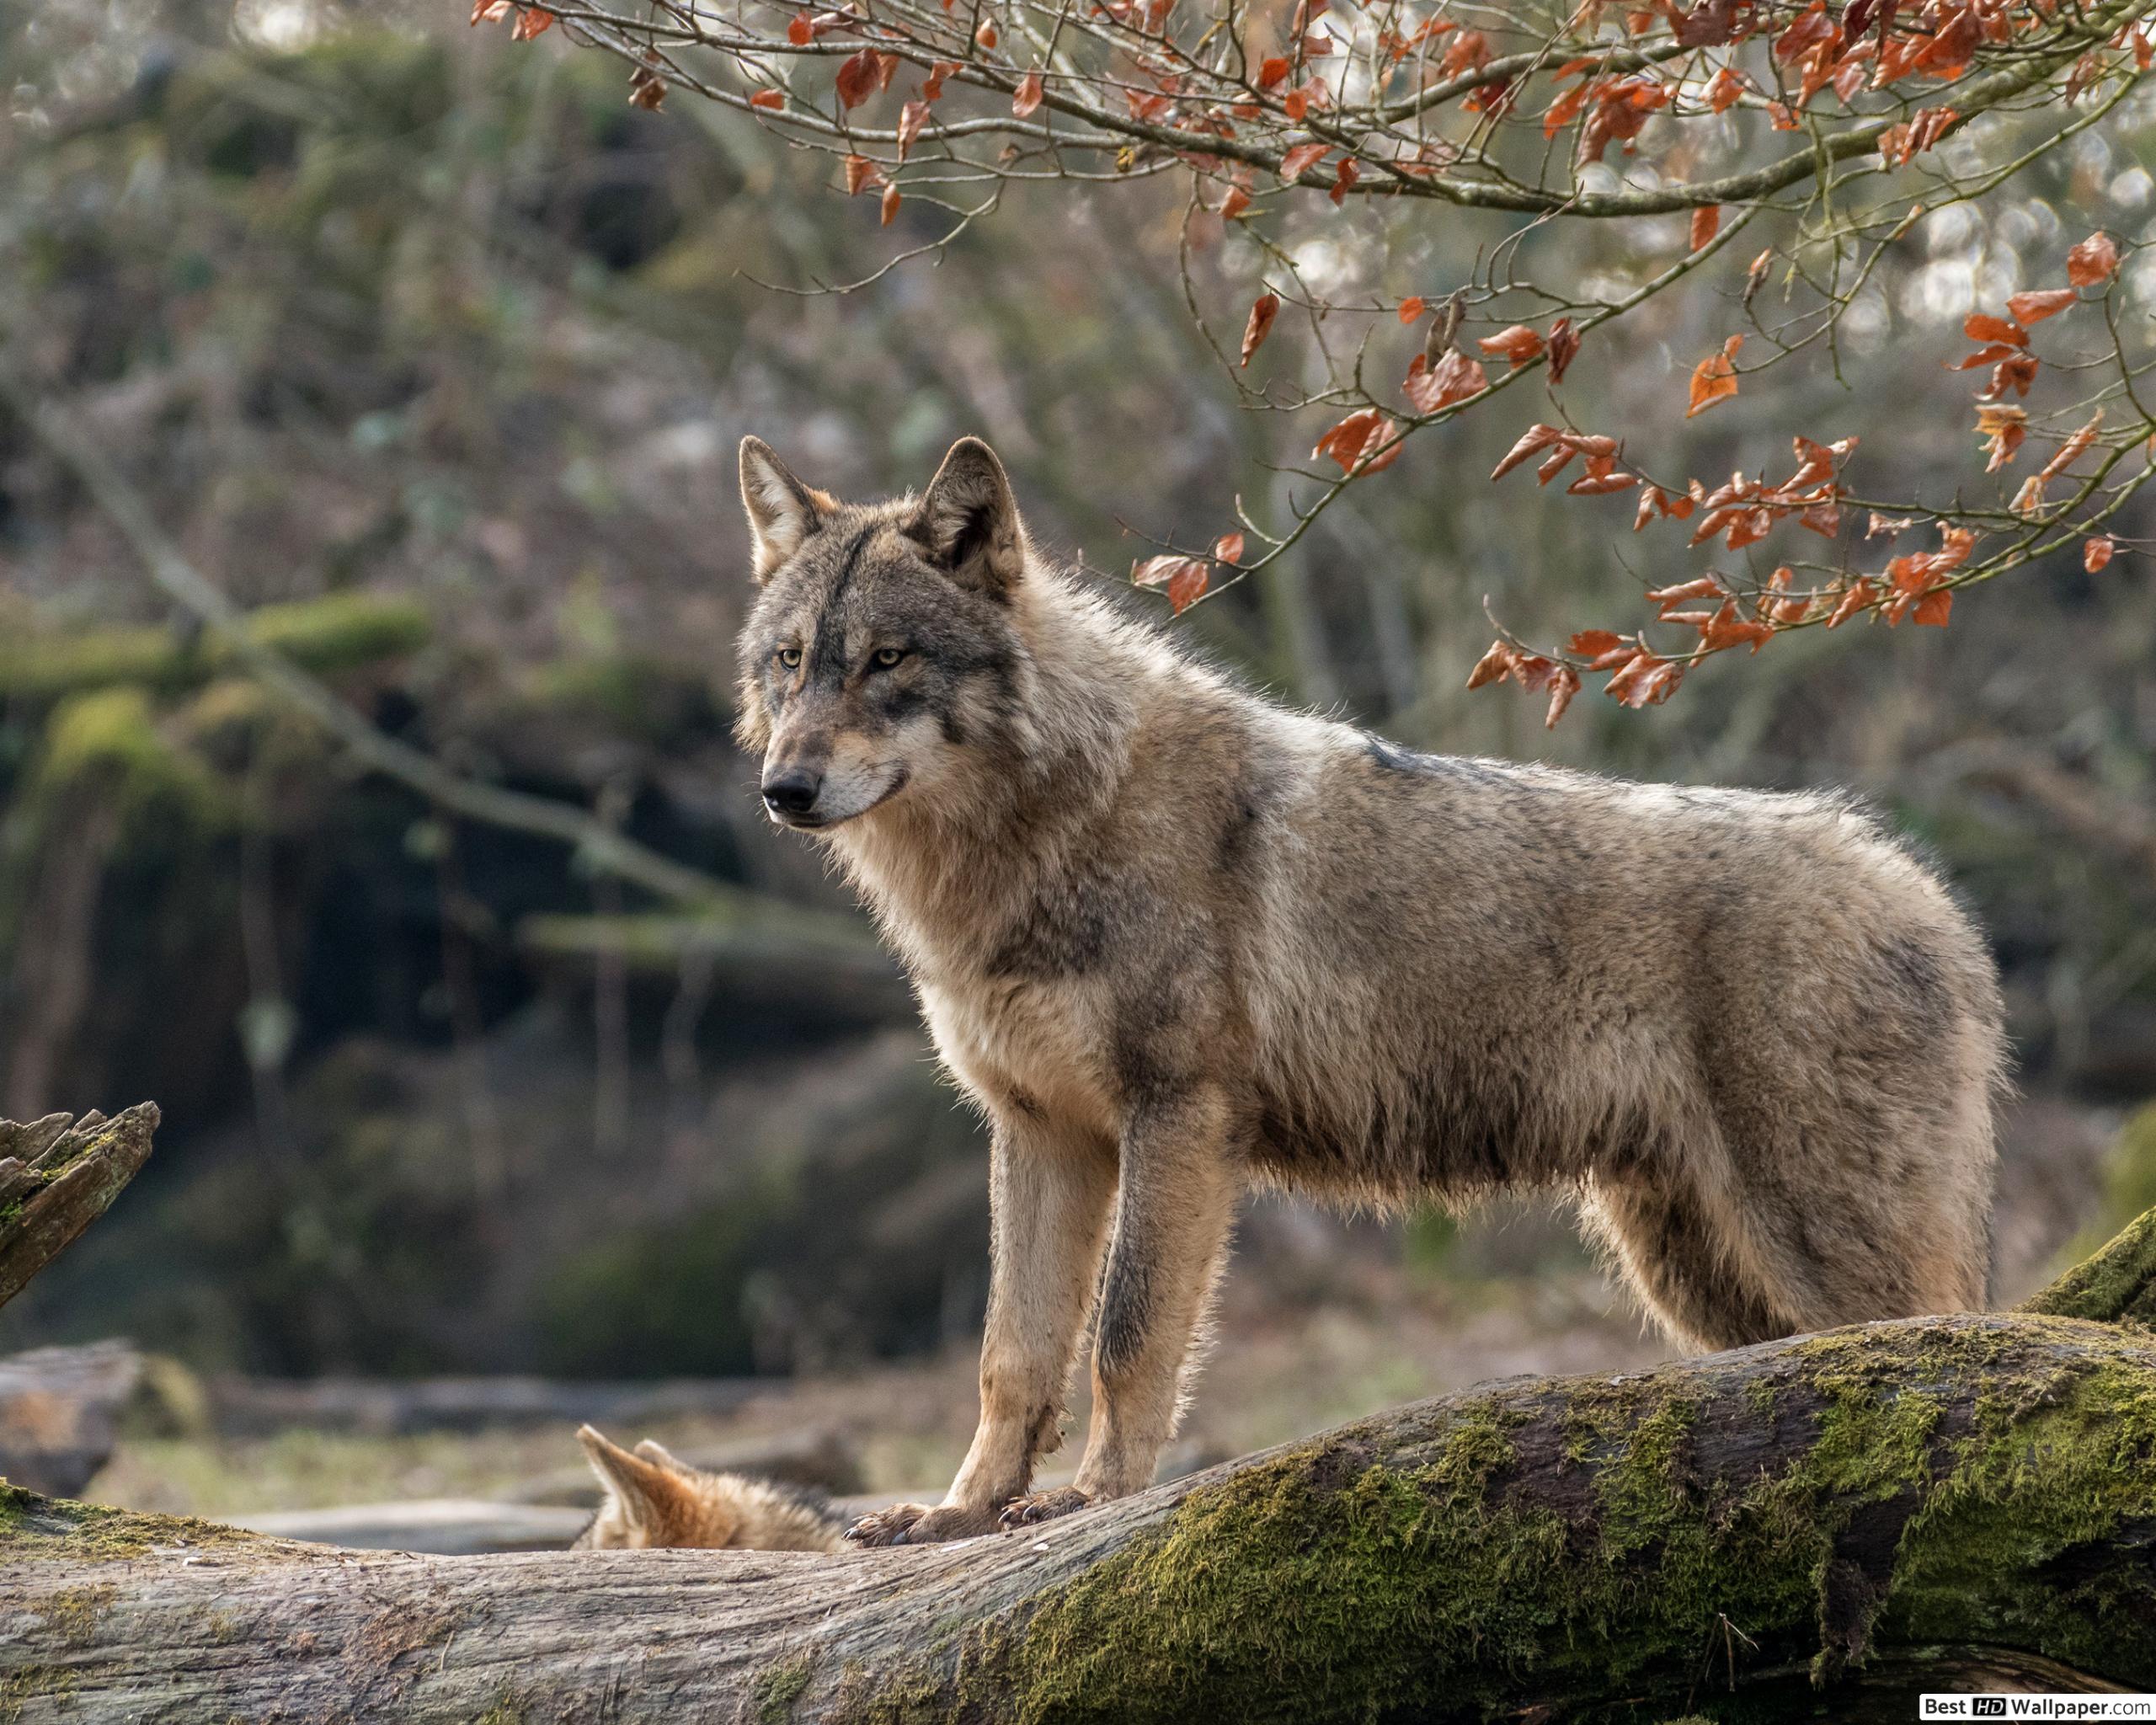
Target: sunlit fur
[1176,940]
[654,1500]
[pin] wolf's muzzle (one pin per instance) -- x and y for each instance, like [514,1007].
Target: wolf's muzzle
[792,791]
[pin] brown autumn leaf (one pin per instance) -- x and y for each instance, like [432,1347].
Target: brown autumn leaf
[2073,448]
[2096,259]
[1714,379]
[1493,666]
[2029,498]
[1343,181]
[1852,602]
[1186,579]
[2016,374]
[1411,308]
[1643,681]
[1515,346]
[860,172]
[2097,552]
[913,121]
[647,90]
[1534,440]
[800,32]
[1234,205]
[1302,158]
[2004,429]
[1934,608]
[1263,311]
[531,21]
[1601,480]
[1273,71]
[1593,643]
[888,206]
[1978,326]
[1564,345]
[1359,442]
[1564,683]
[1725,628]
[768,98]
[1706,223]
[1701,587]
[1028,96]
[1453,378]
[985,37]
[489,11]
[2035,305]
[1228,549]
[859,77]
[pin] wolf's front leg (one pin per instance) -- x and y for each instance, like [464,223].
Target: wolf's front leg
[1173,1210]
[1049,1191]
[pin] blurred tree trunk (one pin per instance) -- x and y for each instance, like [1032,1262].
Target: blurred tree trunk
[1835,1521]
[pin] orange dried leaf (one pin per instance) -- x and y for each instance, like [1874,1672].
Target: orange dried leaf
[1028,96]
[1263,310]
[2096,259]
[1563,344]
[859,77]
[1228,549]
[1852,602]
[1714,379]
[1516,345]
[1234,205]
[1706,223]
[888,206]
[1453,378]
[768,98]
[1412,307]
[1302,158]
[2033,307]
[1979,327]
[1534,440]
[1593,643]
[1492,667]
[2097,552]
[1564,683]
[1932,610]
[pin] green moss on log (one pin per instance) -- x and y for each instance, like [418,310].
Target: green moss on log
[1395,1570]
[37,1529]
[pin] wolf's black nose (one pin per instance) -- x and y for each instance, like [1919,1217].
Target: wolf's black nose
[792,790]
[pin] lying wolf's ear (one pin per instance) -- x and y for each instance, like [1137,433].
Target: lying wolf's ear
[782,512]
[642,1488]
[967,520]
[653,1450]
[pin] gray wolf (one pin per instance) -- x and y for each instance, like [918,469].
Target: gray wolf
[1176,940]
[654,1499]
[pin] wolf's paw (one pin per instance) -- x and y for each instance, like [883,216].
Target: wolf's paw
[1043,1506]
[916,1525]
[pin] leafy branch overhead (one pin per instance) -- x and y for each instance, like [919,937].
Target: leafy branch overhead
[1741,145]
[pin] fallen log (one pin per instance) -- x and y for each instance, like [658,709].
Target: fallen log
[56,1177]
[59,1411]
[1834,1520]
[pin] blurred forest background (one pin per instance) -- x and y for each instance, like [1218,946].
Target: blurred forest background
[432,353]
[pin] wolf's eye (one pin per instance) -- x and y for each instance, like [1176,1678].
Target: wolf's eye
[884,658]
[790,657]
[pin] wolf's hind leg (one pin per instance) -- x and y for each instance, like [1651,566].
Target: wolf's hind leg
[1174,1208]
[1049,1191]
[1689,1260]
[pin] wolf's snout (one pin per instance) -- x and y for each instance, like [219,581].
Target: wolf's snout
[792,790]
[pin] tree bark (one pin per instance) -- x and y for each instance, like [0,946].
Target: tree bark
[56,1178]
[1835,1521]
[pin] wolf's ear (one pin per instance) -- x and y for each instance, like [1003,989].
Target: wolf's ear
[782,512]
[653,1450]
[967,520]
[641,1487]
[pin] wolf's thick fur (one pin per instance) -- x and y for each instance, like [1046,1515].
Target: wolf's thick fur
[1176,940]
[654,1499]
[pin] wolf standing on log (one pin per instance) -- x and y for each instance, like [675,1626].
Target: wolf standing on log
[1175,940]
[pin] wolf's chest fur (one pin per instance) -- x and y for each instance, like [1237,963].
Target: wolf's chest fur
[1027,1046]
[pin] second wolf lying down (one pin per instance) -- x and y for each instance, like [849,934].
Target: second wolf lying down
[1175,940]
[654,1499]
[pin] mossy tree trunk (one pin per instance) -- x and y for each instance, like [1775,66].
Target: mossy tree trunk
[1840,1520]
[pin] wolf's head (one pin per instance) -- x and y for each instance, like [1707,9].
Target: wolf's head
[883,654]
